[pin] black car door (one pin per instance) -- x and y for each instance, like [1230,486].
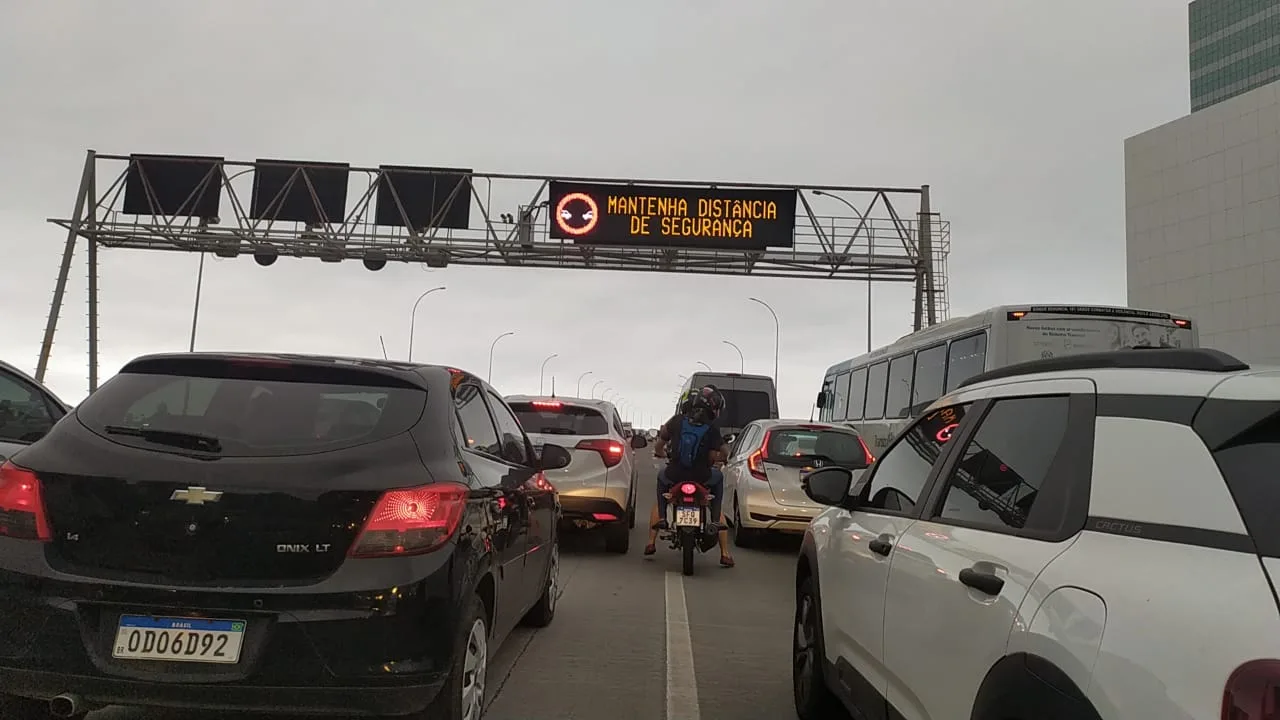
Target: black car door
[539,497]
[483,452]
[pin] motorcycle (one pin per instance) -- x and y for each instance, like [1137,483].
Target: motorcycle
[689,522]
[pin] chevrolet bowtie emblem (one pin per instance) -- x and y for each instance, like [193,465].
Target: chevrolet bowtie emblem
[196,496]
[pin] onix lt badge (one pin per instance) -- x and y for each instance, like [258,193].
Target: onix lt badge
[196,495]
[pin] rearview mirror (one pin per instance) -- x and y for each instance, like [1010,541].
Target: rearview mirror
[638,442]
[822,399]
[828,486]
[554,457]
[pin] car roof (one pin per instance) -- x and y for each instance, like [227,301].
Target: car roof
[411,372]
[786,422]
[1200,372]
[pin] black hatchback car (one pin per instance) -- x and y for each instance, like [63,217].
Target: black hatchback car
[273,532]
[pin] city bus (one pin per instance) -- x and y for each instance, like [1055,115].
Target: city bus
[878,393]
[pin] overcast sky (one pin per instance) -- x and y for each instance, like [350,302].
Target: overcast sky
[1013,111]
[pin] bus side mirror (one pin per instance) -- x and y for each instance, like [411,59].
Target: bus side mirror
[822,399]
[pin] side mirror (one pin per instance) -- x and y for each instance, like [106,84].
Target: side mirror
[821,401]
[554,457]
[828,486]
[638,442]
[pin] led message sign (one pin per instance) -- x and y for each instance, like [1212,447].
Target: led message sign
[680,217]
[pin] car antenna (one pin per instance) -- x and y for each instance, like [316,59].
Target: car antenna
[384,348]
[553,386]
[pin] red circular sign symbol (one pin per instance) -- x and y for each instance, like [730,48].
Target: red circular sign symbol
[581,221]
[945,433]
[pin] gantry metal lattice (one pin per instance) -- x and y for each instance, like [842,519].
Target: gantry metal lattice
[871,241]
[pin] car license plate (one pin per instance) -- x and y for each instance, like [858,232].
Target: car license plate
[179,639]
[688,517]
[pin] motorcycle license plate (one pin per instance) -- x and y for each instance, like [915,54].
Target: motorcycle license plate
[688,517]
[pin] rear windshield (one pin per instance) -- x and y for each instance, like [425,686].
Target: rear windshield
[742,407]
[838,446]
[248,416]
[559,420]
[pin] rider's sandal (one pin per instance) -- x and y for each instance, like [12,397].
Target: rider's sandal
[650,549]
[726,561]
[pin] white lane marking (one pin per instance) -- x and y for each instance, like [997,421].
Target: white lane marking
[682,686]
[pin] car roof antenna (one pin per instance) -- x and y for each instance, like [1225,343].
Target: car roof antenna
[553,386]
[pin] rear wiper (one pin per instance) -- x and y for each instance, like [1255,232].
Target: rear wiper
[174,438]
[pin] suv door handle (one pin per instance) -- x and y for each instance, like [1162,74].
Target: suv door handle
[880,546]
[984,582]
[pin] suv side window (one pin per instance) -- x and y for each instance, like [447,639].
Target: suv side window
[515,447]
[996,481]
[477,426]
[25,414]
[900,474]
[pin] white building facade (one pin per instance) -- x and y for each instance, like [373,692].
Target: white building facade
[1202,206]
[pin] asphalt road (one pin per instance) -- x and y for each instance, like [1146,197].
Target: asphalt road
[634,639]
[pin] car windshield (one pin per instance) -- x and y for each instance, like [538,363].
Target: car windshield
[246,416]
[559,419]
[839,446]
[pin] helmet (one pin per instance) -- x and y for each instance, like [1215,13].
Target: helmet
[705,404]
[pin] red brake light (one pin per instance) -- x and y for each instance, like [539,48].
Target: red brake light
[22,512]
[548,404]
[1182,323]
[610,451]
[866,451]
[604,517]
[1252,690]
[412,521]
[688,489]
[755,461]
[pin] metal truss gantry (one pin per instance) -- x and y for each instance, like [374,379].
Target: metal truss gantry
[872,241]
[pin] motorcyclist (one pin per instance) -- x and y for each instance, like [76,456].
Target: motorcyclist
[700,409]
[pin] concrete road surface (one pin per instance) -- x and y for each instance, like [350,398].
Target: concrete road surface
[634,639]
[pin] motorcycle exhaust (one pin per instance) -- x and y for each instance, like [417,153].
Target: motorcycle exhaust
[65,706]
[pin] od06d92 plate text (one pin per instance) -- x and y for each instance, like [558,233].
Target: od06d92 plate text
[197,640]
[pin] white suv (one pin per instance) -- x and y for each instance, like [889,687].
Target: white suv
[1088,537]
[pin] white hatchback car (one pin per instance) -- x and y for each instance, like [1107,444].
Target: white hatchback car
[1088,537]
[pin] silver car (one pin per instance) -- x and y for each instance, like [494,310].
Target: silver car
[764,474]
[598,489]
[27,410]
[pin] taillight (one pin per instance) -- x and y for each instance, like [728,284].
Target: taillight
[412,521]
[866,451]
[755,461]
[1182,323]
[609,450]
[547,404]
[688,489]
[1252,691]
[22,512]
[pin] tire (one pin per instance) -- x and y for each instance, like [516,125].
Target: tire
[13,707]
[544,611]
[457,699]
[617,538]
[813,698]
[743,537]
[686,552]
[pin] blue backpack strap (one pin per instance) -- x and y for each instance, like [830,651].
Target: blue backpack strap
[691,440]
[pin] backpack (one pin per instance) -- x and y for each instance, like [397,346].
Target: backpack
[691,440]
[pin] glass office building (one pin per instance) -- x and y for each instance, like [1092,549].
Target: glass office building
[1234,48]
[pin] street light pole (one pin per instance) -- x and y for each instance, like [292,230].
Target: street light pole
[578,391]
[870,252]
[489,379]
[414,315]
[742,363]
[593,389]
[708,367]
[777,337]
[542,372]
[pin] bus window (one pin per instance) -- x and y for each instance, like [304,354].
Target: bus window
[877,382]
[838,406]
[898,397]
[857,393]
[965,358]
[931,370]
